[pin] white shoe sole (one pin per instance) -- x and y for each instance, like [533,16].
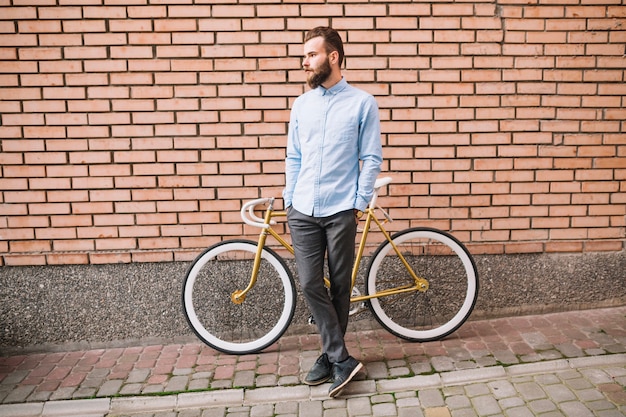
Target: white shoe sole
[335,391]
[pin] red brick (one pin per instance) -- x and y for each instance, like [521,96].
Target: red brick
[233,11]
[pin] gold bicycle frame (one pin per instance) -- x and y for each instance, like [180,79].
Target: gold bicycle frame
[420,284]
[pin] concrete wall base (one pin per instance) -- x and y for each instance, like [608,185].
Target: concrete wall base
[97,305]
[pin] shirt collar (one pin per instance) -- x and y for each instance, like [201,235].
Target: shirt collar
[334,89]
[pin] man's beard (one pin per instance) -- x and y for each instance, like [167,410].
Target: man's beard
[317,78]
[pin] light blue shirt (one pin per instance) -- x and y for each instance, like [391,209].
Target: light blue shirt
[334,152]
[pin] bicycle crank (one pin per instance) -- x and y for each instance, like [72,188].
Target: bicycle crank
[356,308]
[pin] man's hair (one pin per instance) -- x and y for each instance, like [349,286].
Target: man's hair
[332,40]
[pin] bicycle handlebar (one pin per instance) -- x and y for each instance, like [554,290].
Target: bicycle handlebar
[248,216]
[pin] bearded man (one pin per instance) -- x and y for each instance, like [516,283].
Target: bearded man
[334,156]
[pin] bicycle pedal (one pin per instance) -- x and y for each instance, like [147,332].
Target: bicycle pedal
[311,320]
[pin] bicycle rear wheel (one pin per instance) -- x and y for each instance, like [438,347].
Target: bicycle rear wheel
[450,271]
[260,319]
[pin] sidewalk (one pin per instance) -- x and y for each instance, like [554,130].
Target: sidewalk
[561,364]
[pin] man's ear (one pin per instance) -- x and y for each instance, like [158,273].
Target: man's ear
[334,57]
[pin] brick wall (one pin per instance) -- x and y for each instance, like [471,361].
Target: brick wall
[133,131]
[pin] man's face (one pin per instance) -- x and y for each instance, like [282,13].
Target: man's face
[316,63]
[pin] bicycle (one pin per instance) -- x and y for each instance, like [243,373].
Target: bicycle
[239,296]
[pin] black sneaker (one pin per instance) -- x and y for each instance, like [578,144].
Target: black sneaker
[343,372]
[320,371]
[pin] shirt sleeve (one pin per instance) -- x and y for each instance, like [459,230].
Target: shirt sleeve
[293,160]
[370,153]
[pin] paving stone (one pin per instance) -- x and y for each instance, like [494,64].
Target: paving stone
[532,357]
[442,364]
[596,376]
[293,406]
[600,405]
[384,409]
[421,368]
[453,390]
[575,409]
[431,398]
[474,390]
[381,398]
[502,388]
[578,383]
[616,348]
[359,406]
[84,393]
[505,357]
[559,393]
[15,377]
[336,412]
[542,406]
[138,375]
[437,412]
[244,379]
[309,409]
[405,394]
[266,381]
[590,394]
[131,389]
[486,405]
[377,370]
[262,410]
[536,340]
[198,384]
[109,388]
[221,384]
[465,412]
[530,391]
[611,413]
[523,412]
[466,365]
[486,361]
[40,396]
[569,374]
[547,379]
[511,402]
[398,372]
[458,401]
[63,394]
[152,389]
[288,380]
[19,394]
[411,401]
[549,355]
[410,412]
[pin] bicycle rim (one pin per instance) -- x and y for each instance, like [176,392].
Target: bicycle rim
[252,325]
[450,271]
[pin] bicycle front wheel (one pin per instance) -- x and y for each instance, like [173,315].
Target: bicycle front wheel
[437,257]
[232,327]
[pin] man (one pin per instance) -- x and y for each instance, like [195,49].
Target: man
[333,158]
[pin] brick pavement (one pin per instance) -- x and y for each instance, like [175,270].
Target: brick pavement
[396,371]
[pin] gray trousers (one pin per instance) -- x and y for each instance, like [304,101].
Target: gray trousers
[313,238]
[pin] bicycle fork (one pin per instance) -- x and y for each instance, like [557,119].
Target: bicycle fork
[239,296]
